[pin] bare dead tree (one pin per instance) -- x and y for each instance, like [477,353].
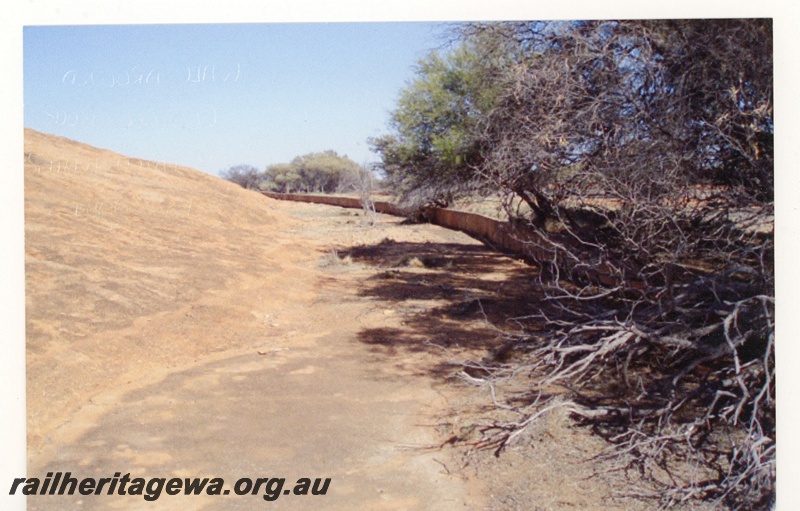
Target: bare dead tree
[245,176]
[643,153]
[366,194]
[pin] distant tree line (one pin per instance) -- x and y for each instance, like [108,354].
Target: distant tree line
[643,151]
[321,172]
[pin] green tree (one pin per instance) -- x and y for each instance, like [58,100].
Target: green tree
[321,172]
[283,177]
[433,151]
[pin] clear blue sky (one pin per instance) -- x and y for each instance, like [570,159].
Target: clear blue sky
[300,88]
[216,95]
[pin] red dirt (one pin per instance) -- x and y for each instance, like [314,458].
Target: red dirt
[180,326]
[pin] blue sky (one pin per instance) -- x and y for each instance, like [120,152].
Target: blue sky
[265,116]
[214,95]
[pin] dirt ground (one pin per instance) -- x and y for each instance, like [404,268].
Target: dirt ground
[180,326]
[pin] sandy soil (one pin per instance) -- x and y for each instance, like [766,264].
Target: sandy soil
[180,326]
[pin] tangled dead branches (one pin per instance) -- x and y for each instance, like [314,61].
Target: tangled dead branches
[683,389]
[642,154]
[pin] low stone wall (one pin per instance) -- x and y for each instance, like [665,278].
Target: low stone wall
[343,202]
[506,237]
[502,236]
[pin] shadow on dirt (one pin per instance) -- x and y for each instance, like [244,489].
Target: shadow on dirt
[451,296]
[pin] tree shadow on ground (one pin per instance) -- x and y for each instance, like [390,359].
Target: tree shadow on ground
[452,297]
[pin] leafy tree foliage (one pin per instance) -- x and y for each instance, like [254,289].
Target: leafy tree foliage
[642,154]
[323,172]
[283,177]
[433,152]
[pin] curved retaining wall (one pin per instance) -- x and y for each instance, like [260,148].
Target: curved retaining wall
[499,235]
[344,202]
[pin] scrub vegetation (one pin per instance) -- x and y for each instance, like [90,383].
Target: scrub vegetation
[641,152]
[323,172]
